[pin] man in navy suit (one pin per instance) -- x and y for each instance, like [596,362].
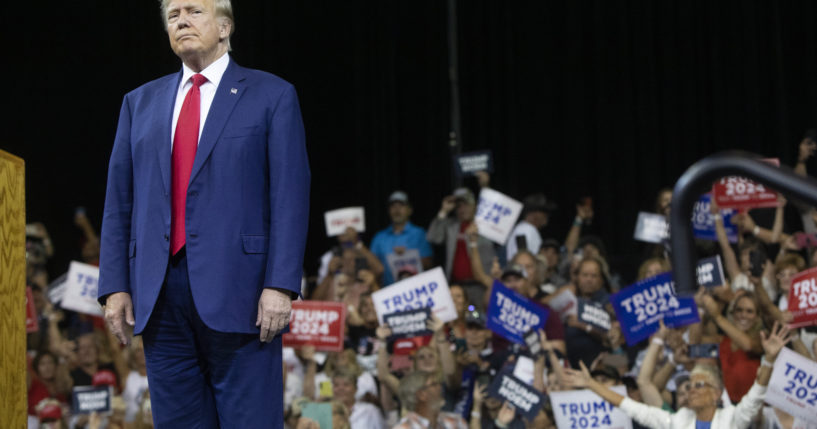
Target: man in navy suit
[204,227]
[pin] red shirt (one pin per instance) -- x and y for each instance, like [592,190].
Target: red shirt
[461,266]
[739,369]
[36,393]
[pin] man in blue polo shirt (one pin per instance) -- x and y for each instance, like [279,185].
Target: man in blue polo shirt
[399,241]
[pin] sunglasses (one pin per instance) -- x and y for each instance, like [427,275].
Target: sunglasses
[700,385]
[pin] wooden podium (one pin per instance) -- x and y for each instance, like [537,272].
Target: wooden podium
[13,390]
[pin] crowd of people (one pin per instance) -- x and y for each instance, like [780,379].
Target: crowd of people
[442,380]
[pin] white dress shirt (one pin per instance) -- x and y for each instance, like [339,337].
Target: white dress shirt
[213,73]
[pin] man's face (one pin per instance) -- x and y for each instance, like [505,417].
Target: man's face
[86,349]
[194,29]
[551,255]
[539,219]
[476,337]
[516,283]
[465,210]
[399,212]
[528,263]
[590,279]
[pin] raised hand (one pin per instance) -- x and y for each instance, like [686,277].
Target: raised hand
[506,413]
[777,338]
[479,394]
[382,332]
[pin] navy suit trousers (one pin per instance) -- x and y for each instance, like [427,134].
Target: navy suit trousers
[201,378]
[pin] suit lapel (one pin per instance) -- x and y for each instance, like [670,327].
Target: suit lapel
[229,90]
[165,114]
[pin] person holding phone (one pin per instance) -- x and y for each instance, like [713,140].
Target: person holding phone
[525,235]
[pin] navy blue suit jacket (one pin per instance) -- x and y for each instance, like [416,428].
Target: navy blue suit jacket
[247,202]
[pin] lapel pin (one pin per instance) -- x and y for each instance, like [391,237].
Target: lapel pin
[233,91]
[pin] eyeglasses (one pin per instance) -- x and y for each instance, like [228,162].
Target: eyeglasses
[700,385]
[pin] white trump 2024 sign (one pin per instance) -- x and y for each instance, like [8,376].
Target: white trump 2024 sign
[429,289]
[793,386]
[81,289]
[583,409]
[496,215]
[338,220]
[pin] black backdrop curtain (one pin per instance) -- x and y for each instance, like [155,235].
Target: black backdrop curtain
[612,100]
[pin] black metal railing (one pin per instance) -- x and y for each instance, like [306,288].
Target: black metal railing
[698,179]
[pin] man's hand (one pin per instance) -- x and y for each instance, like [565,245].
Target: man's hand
[119,316]
[449,203]
[483,178]
[274,307]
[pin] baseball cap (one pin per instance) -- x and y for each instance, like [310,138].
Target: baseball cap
[474,317]
[104,378]
[49,409]
[464,194]
[514,270]
[551,243]
[606,371]
[538,202]
[398,197]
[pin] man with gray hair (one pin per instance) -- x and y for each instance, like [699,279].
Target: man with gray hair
[421,393]
[204,227]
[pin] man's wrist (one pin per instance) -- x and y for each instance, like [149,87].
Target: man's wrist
[291,294]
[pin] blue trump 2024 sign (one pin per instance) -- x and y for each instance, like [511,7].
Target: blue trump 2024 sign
[703,224]
[511,315]
[640,306]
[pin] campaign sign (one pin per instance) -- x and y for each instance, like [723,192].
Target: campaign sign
[742,193]
[87,399]
[496,215]
[410,323]
[338,220]
[803,299]
[594,314]
[710,272]
[409,260]
[511,315]
[56,289]
[703,223]
[316,323]
[427,289]
[793,386]
[651,227]
[31,313]
[583,409]
[81,289]
[469,163]
[640,306]
[523,369]
[527,400]
[533,342]
[565,303]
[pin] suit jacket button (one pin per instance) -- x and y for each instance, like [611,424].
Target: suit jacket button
[192,235]
[167,237]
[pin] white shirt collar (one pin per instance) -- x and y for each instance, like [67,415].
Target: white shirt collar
[214,72]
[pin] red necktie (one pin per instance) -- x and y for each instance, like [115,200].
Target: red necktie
[185,142]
